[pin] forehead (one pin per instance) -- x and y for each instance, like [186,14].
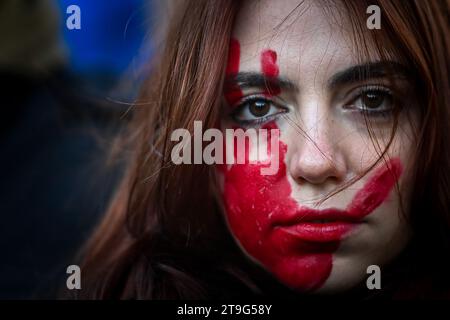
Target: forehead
[309,37]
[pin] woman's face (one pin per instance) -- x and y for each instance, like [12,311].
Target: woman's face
[299,73]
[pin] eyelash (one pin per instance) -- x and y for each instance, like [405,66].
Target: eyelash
[371,89]
[257,121]
[358,95]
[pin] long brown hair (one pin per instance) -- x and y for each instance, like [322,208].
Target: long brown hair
[164,236]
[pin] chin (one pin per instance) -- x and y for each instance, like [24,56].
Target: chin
[347,274]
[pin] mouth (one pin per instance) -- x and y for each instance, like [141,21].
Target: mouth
[322,226]
[332,224]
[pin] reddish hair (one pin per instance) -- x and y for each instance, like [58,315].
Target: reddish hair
[164,235]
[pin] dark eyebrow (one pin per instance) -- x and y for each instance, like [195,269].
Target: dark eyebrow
[259,80]
[369,71]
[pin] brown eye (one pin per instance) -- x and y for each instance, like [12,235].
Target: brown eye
[374,99]
[259,108]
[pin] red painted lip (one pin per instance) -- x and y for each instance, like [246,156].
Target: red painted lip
[311,225]
[331,224]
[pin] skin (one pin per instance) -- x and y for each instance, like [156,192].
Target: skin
[324,142]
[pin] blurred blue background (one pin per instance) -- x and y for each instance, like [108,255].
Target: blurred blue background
[111,34]
[112,44]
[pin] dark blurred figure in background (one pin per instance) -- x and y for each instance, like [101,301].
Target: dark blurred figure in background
[54,182]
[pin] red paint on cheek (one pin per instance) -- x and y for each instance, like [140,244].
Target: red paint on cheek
[376,190]
[254,201]
[270,69]
[233,92]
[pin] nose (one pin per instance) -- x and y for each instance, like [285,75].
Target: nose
[317,159]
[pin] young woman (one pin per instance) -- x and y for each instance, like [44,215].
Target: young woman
[360,117]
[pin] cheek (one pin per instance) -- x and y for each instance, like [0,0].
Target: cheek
[251,200]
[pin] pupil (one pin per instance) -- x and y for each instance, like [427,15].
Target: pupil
[373,100]
[259,108]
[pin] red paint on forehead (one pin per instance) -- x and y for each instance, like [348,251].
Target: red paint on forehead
[269,63]
[233,92]
[270,69]
[234,54]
